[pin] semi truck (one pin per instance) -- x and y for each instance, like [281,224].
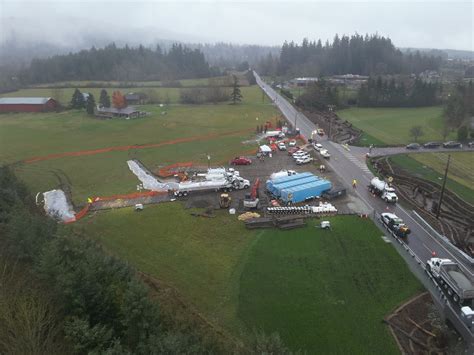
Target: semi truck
[234,182]
[395,224]
[452,279]
[301,193]
[383,190]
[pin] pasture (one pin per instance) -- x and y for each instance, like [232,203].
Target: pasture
[218,130]
[392,125]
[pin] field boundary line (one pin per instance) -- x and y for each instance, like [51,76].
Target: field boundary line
[136,146]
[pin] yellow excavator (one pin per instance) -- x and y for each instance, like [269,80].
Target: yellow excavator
[225,200]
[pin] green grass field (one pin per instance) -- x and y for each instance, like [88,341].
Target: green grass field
[326,292]
[311,286]
[431,166]
[198,256]
[24,136]
[392,125]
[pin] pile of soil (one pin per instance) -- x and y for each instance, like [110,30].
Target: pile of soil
[339,130]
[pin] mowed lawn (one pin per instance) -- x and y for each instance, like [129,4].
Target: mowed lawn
[223,128]
[326,292]
[200,257]
[319,290]
[431,166]
[392,126]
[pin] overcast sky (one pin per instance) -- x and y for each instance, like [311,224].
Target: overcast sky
[424,24]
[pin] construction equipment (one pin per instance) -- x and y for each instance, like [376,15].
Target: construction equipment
[383,190]
[252,199]
[225,200]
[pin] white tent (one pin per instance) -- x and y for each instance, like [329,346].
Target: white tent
[265,149]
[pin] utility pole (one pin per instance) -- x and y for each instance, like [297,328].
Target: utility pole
[296,116]
[442,188]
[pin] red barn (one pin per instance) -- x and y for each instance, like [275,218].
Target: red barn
[27,104]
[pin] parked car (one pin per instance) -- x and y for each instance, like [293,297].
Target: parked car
[292,143]
[320,131]
[293,150]
[241,161]
[317,146]
[299,156]
[470,144]
[282,146]
[413,146]
[304,160]
[452,144]
[324,153]
[432,145]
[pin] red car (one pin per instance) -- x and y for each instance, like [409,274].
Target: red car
[241,161]
[293,150]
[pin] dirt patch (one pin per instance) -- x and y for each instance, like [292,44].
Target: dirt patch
[337,129]
[414,326]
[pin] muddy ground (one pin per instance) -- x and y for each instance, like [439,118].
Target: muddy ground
[263,169]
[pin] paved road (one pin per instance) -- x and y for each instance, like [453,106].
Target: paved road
[402,150]
[349,166]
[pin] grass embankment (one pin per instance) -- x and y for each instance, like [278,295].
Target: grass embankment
[198,256]
[391,126]
[24,136]
[311,286]
[431,166]
[326,291]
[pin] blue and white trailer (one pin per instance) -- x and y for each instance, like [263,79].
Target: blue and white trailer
[305,192]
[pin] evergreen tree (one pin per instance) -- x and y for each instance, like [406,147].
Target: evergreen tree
[77,100]
[104,99]
[235,96]
[90,105]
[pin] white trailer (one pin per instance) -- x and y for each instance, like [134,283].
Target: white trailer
[278,134]
[236,182]
[383,190]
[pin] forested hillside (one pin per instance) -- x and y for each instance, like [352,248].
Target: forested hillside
[114,63]
[365,55]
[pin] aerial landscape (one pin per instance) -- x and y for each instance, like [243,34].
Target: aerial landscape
[227,177]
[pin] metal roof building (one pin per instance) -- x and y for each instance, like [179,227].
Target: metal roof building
[27,104]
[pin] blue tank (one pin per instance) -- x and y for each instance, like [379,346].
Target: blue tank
[271,183]
[289,184]
[305,192]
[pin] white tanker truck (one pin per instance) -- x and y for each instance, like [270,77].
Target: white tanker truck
[383,190]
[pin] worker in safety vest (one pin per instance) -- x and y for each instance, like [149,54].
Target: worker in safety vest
[354,183]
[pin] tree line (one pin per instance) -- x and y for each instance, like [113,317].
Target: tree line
[357,54]
[459,110]
[388,93]
[124,64]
